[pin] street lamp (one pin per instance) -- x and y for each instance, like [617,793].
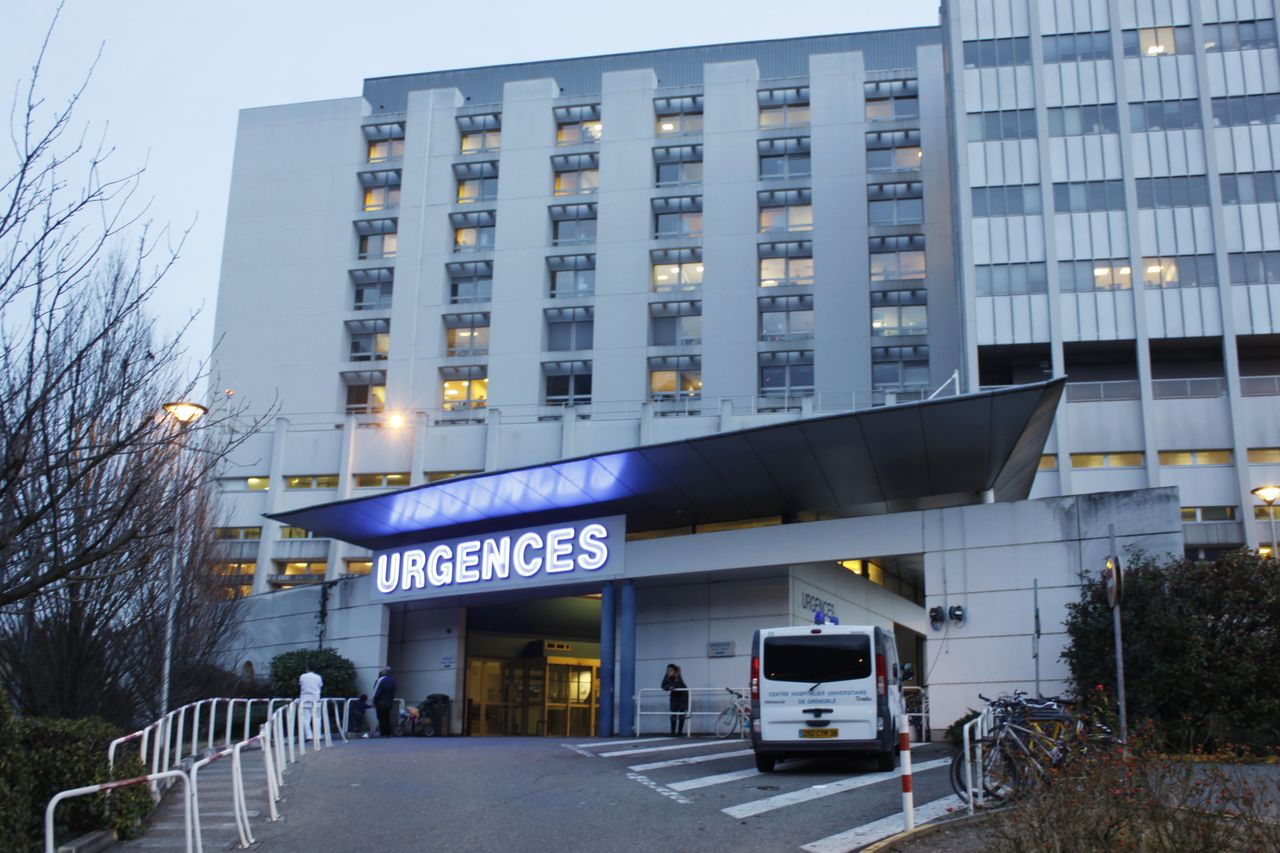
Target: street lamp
[185,414]
[1268,495]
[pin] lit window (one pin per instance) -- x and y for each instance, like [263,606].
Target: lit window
[576,174]
[897,258]
[466,334]
[385,149]
[1264,456]
[1179,458]
[1129,459]
[370,340]
[1102,274]
[887,100]
[677,116]
[675,377]
[312,481]
[1048,462]
[1260,512]
[246,533]
[477,189]
[382,481]
[381,198]
[785,210]
[784,108]
[1208,513]
[578,125]
[234,568]
[783,271]
[295,533]
[293,569]
[675,269]
[893,150]
[437,476]
[461,395]
[892,320]
[377,238]
[359,567]
[1157,41]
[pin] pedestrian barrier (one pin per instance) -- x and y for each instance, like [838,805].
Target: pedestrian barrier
[920,717]
[150,778]
[973,733]
[705,705]
[904,759]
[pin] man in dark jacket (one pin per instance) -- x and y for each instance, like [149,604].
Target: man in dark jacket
[384,696]
[674,684]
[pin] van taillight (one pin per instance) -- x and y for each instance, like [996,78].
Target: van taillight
[755,678]
[881,684]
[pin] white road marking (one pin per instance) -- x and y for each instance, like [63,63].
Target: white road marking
[579,750]
[704,781]
[883,828]
[694,759]
[661,789]
[612,742]
[815,792]
[639,751]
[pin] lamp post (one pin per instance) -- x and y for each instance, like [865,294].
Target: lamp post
[185,414]
[1268,495]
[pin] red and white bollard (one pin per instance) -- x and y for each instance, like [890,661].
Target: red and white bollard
[908,798]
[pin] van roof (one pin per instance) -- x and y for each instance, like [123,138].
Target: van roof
[793,630]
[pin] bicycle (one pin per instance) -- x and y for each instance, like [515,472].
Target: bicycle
[1028,738]
[736,716]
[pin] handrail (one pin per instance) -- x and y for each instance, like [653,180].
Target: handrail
[695,695]
[923,713]
[110,786]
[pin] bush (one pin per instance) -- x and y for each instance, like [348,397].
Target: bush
[339,673]
[40,757]
[1200,644]
[955,731]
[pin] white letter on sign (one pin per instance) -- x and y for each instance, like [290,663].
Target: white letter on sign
[559,547]
[524,566]
[411,573]
[496,560]
[594,551]
[468,558]
[388,573]
[439,566]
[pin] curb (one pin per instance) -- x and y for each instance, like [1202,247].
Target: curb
[895,842]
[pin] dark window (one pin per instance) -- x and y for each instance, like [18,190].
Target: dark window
[817,658]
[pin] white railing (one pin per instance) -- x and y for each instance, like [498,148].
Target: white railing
[921,717]
[1188,389]
[973,733]
[1103,391]
[705,703]
[1260,386]
[151,778]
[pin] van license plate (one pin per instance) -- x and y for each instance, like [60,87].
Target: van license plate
[819,733]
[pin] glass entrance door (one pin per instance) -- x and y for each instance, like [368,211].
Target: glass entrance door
[550,697]
[571,697]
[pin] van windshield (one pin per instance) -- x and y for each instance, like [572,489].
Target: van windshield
[816,658]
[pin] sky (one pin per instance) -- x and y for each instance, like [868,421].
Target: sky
[174,74]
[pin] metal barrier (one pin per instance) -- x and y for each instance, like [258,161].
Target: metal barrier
[973,733]
[150,778]
[922,716]
[704,703]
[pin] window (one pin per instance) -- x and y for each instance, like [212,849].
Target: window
[1006,201]
[677,116]
[786,374]
[1002,124]
[464,388]
[576,174]
[675,269]
[578,125]
[1239,35]
[1181,458]
[366,391]
[470,282]
[786,318]
[1165,115]
[1171,192]
[573,224]
[369,340]
[1087,196]
[479,134]
[569,328]
[473,232]
[371,289]
[381,190]
[677,216]
[893,151]
[1084,120]
[359,567]
[1010,279]
[1086,276]
[675,377]
[1208,513]
[239,533]
[1260,512]
[784,158]
[991,53]
[296,533]
[900,367]
[567,383]
[897,258]
[786,263]
[1254,267]
[384,142]
[675,323]
[890,320]
[1157,41]
[312,481]
[476,181]
[1074,47]
[677,164]
[235,568]
[438,476]
[466,334]
[1048,462]
[1241,110]
[382,481]
[887,100]
[377,239]
[1264,456]
[1250,187]
[895,204]
[1127,459]
[301,568]
[572,275]
[785,210]
[1180,271]
[784,108]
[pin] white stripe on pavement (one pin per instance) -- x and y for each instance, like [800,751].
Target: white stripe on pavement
[638,751]
[883,828]
[704,781]
[695,759]
[815,792]
[612,742]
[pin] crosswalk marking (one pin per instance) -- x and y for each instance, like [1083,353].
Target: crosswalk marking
[612,742]
[804,795]
[704,781]
[693,759]
[641,750]
[883,828]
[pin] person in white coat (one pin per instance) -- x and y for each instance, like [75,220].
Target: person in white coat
[309,686]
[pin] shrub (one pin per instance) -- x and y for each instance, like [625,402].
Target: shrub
[1199,643]
[339,673]
[955,731]
[40,757]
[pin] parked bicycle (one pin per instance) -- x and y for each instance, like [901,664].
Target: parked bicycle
[736,717]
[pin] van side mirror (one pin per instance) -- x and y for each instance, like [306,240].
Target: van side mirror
[908,672]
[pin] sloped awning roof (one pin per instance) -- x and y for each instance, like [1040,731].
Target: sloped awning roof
[924,455]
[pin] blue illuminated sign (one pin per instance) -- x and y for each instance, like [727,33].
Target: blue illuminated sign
[541,556]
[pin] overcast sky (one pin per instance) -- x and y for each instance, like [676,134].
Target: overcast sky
[174,74]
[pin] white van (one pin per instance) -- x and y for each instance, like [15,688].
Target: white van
[834,689]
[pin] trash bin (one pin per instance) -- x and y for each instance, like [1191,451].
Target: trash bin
[437,709]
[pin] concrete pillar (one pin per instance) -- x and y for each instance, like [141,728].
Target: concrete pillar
[608,646]
[627,660]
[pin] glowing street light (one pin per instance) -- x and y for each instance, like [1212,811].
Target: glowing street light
[1269,495]
[185,414]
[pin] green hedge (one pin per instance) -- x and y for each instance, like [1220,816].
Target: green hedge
[40,757]
[339,673]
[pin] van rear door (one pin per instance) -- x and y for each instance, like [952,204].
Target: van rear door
[817,686]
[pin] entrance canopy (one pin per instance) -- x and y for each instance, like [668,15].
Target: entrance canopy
[923,455]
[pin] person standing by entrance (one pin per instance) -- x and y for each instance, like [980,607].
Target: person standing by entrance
[674,684]
[309,686]
[384,696]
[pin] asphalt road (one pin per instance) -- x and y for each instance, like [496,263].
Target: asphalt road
[530,794]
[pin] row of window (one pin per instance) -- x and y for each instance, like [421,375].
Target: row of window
[1106,274]
[1093,196]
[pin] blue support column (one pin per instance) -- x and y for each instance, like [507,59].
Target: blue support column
[627,660]
[608,646]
